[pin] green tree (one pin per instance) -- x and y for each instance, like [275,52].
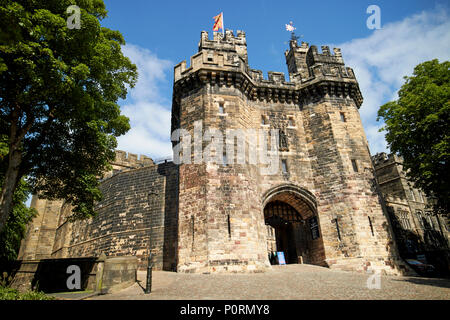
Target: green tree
[16,225]
[58,100]
[417,127]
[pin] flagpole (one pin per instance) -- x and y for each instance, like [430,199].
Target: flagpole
[223,27]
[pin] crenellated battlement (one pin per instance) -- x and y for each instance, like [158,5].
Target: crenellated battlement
[325,56]
[131,160]
[227,42]
[223,61]
[127,161]
[306,61]
[228,52]
[223,39]
[314,56]
[383,158]
[273,77]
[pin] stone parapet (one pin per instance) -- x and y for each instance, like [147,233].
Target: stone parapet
[222,62]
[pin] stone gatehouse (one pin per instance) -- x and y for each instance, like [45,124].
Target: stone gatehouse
[320,206]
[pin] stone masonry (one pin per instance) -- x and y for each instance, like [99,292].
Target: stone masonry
[420,233]
[320,206]
[138,211]
[329,176]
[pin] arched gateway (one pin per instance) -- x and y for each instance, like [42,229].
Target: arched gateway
[290,215]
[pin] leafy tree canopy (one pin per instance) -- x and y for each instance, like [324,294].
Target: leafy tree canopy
[417,127]
[58,100]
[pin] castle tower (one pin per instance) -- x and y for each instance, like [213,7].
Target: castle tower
[39,239]
[219,223]
[319,206]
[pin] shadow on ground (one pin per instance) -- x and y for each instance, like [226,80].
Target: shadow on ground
[435,282]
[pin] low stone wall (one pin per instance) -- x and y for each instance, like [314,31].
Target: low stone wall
[97,274]
[119,273]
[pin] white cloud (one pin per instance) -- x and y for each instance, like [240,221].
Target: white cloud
[381,60]
[148,110]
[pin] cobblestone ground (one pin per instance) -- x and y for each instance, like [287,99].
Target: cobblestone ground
[299,282]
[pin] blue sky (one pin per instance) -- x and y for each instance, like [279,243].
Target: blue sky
[160,34]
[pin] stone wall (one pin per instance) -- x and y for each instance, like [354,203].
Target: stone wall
[138,210]
[100,275]
[220,226]
[50,275]
[221,219]
[419,232]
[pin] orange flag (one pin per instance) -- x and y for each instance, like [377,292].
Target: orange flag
[218,22]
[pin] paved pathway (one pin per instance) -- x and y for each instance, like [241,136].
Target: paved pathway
[299,282]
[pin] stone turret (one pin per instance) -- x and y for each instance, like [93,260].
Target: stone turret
[296,59]
[307,65]
[228,42]
[224,61]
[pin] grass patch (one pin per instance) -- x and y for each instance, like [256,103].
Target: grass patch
[74,292]
[7,293]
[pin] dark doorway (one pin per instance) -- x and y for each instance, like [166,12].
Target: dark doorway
[286,242]
[283,231]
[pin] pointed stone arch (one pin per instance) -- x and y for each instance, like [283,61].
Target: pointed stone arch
[308,243]
[299,198]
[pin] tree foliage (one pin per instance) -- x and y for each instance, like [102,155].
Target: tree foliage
[58,100]
[16,225]
[417,127]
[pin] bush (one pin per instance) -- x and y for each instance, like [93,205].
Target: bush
[7,293]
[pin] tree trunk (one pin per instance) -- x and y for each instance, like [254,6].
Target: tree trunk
[9,185]
[12,175]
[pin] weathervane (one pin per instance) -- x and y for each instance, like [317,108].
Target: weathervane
[290,27]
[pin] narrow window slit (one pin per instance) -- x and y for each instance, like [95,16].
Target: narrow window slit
[284,166]
[224,159]
[291,122]
[371,225]
[337,229]
[229,226]
[193,230]
[355,166]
